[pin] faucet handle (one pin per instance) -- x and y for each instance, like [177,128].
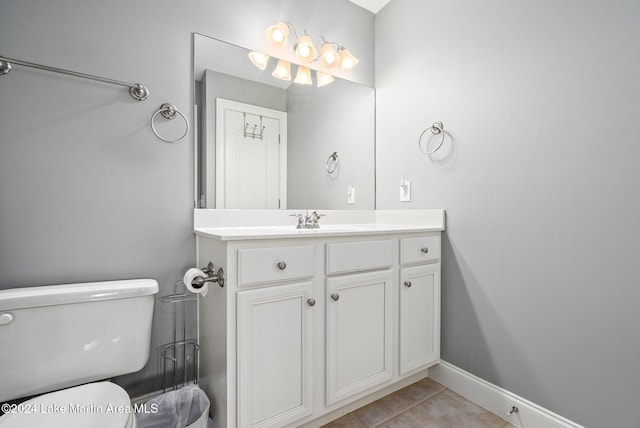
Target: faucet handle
[317,216]
[301,220]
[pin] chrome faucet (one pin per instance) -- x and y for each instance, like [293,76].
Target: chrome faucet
[308,221]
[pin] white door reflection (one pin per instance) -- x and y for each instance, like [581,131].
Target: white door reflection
[251,157]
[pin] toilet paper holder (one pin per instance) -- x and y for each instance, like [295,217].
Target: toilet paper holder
[218,276]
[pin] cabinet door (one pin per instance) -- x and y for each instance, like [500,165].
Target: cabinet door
[275,343]
[419,317]
[358,329]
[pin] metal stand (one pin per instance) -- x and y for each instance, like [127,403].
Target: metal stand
[180,357]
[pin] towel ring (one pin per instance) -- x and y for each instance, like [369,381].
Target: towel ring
[436,128]
[332,160]
[169,112]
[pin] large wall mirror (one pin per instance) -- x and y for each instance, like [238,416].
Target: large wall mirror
[265,143]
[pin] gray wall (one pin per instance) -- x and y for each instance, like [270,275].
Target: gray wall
[539,177]
[339,118]
[87,192]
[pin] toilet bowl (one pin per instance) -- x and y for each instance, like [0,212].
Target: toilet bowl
[102,404]
[57,337]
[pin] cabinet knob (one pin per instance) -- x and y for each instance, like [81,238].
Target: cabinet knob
[424,250]
[335,297]
[6,318]
[282,265]
[311,302]
[407,284]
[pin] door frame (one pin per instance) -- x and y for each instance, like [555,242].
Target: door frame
[222,105]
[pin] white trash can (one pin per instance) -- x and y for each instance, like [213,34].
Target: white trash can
[188,407]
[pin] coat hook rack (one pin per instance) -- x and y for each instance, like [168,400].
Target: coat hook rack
[436,129]
[253,134]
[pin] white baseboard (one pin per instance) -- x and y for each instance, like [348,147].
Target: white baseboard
[496,399]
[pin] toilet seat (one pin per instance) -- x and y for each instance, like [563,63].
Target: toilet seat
[94,405]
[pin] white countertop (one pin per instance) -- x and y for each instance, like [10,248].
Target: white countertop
[224,224]
[279,232]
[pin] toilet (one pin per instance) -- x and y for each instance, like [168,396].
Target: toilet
[64,338]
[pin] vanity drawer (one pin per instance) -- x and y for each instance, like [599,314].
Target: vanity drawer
[258,265]
[358,256]
[419,250]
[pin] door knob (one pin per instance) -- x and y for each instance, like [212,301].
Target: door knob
[282,265]
[335,297]
[407,284]
[424,250]
[311,302]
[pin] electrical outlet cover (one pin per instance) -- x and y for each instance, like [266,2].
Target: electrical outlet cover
[351,194]
[405,190]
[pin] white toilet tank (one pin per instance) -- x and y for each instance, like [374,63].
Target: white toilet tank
[57,336]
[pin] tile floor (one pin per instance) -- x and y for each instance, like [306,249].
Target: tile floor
[425,404]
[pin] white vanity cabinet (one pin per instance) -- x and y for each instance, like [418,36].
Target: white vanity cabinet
[358,317]
[311,324]
[274,334]
[275,348]
[358,333]
[419,302]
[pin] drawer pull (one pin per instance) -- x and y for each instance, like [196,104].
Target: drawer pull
[311,302]
[407,284]
[6,318]
[335,297]
[424,250]
[282,265]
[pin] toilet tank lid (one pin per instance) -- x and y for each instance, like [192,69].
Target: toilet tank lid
[51,295]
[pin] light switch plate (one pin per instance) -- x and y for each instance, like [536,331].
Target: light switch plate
[405,190]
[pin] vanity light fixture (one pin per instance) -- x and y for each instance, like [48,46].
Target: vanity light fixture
[282,70]
[277,35]
[259,59]
[304,76]
[329,57]
[305,50]
[324,78]
[347,60]
[331,54]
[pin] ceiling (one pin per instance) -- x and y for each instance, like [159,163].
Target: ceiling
[372,5]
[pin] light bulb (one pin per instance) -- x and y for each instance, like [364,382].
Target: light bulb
[329,55]
[277,35]
[323,78]
[282,70]
[259,59]
[347,60]
[304,76]
[305,50]
[330,58]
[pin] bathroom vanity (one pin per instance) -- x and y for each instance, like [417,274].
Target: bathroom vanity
[312,323]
